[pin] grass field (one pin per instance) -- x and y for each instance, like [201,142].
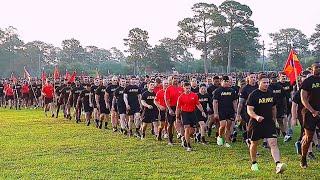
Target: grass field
[35,147]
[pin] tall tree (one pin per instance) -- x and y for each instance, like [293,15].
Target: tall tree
[160,59]
[11,46]
[72,51]
[117,55]
[282,42]
[315,41]
[138,47]
[198,29]
[237,15]
[178,51]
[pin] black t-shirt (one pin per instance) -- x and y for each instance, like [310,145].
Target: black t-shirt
[205,100]
[100,91]
[76,91]
[148,97]
[18,87]
[132,91]
[225,97]
[195,89]
[278,93]
[118,93]
[297,99]
[287,89]
[236,88]
[262,103]
[211,89]
[246,90]
[143,87]
[312,86]
[59,89]
[110,90]
[85,97]
[1,89]
[39,88]
[65,92]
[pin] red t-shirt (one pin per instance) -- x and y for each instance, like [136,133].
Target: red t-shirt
[48,91]
[9,91]
[188,102]
[160,98]
[25,89]
[157,88]
[172,94]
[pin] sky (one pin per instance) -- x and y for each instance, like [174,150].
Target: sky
[105,23]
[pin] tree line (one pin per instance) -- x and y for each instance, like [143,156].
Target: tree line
[225,35]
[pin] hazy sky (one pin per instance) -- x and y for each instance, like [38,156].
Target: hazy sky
[105,23]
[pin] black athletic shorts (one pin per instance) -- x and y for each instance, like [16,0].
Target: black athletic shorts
[245,117]
[162,115]
[48,100]
[200,117]
[280,112]
[264,129]
[87,108]
[149,115]
[309,122]
[226,115]
[103,109]
[189,118]
[121,108]
[171,119]
[134,108]
[25,96]
[9,98]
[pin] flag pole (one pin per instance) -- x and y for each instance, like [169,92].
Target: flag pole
[294,67]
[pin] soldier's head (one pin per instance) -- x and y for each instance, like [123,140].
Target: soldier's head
[263,82]
[315,67]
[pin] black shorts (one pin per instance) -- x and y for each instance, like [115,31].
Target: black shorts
[121,108]
[25,96]
[149,115]
[87,108]
[265,129]
[48,100]
[280,112]
[134,109]
[9,98]
[162,115]
[189,118]
[245,117]
[309,122]
[171,119]
[200,117]
[226,115]
[103,109]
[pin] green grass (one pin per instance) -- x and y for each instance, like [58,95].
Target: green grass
[35,147]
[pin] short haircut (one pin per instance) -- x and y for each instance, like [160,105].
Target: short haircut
[186,84]
[262,76]
[225,78]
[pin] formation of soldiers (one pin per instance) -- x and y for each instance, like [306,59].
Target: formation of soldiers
[190,106]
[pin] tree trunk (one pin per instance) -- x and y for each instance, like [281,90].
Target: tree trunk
[229,54]
[135,67]
[205,48]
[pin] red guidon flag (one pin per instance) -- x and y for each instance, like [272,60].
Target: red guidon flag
[27,74]
[73,77]
[293,67]
[56,74]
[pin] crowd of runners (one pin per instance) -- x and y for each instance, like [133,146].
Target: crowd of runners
[186,108]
